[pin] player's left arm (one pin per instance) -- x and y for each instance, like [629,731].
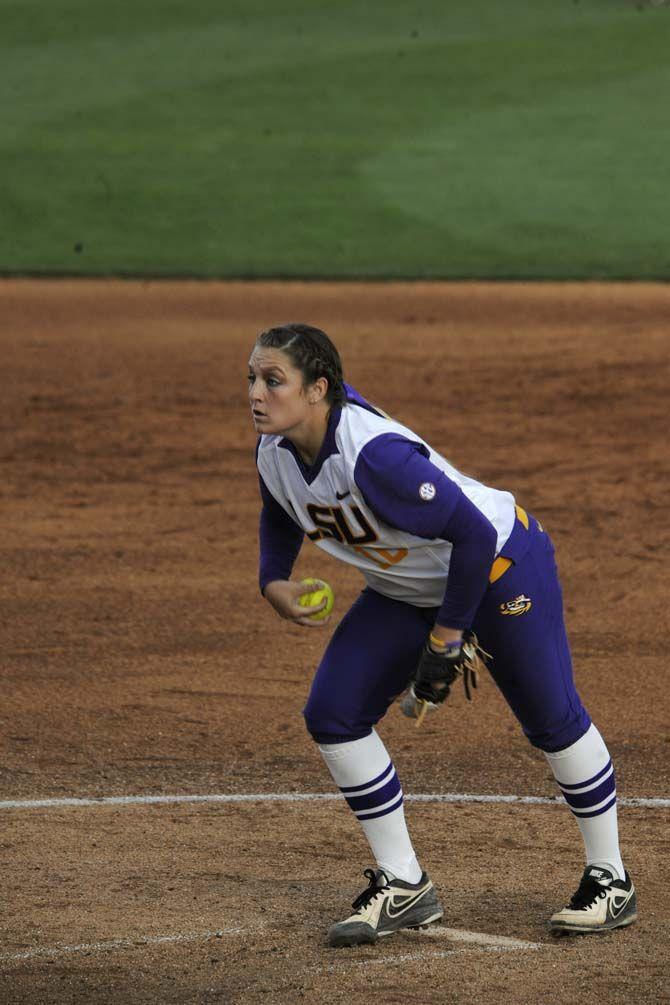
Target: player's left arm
[406,490]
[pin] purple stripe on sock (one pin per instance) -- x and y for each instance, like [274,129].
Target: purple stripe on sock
[589,781]
[381,813]
[376,798]
[366,785]
[584,800]
[596,813]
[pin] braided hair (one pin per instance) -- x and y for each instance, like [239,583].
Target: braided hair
[312,352]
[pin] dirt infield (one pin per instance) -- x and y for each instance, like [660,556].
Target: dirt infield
[139,659]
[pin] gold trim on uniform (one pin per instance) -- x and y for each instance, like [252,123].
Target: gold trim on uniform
[523,516]
[502,564]
[499,568]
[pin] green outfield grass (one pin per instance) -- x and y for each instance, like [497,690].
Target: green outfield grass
[248,138]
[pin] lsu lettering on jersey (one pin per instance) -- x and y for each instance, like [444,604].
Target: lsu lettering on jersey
[377,497]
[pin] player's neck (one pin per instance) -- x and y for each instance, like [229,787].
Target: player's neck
[308,437]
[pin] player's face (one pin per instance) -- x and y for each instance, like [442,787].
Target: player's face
[278,400]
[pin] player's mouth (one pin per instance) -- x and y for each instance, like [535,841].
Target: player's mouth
[258,415]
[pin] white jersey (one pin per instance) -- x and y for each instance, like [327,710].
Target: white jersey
[334,514]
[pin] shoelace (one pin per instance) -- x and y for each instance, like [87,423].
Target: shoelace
[364,898]
[588,893]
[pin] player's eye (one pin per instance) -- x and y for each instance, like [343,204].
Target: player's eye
[270,381]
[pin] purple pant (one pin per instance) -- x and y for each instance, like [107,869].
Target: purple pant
[375,649]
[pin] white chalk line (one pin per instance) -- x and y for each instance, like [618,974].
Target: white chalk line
[298,797]
[480,940]
[438,954]
[128,943]
[462,935]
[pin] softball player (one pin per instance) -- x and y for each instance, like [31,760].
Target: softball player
[443,557]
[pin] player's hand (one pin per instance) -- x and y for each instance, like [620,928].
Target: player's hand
[436,672]
[284,596]
[438,669]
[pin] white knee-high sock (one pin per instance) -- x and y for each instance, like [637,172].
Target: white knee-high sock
[367,779]
[585,776]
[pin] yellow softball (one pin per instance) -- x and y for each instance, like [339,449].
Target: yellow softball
[315,596]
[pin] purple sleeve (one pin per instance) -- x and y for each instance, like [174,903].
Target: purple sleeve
[280,540]
[474,540]
[405,490]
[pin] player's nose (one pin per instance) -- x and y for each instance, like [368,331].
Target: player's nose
[255,391]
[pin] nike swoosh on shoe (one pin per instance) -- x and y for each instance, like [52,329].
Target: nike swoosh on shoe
[617,907]
[395,909]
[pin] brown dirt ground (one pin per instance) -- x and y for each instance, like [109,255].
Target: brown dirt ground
[139,658]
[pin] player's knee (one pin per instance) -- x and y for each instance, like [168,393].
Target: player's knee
[557,736]
[327,724]
[313,715]
[317,720]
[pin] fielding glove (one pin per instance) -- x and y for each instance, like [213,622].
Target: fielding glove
[437,671]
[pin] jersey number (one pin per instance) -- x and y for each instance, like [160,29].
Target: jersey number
[383,556]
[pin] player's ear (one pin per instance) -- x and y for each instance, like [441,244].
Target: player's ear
[317,391]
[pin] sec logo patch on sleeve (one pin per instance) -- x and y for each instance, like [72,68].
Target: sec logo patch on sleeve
[427,491]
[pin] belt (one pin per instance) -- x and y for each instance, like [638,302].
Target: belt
[501,565]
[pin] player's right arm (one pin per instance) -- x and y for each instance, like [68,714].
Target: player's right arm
[280,542]
[280,539]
